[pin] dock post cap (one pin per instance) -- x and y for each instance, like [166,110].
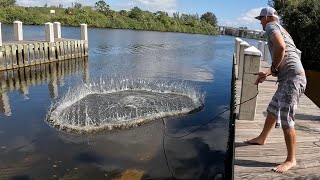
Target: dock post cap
[244,43]
[17,21]
[48,23]
[56,22]
[238,39]
[252,51]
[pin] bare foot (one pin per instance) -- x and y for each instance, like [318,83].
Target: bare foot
[284,166]
[255,141]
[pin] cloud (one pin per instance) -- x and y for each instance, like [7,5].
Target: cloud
[169,6]
[150,5]
[248,18]
[245,20]
[65,3]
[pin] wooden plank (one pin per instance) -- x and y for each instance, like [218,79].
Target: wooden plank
[80,48]
[8,57]
[41,53]
[58,50]
[51,52]
[75,50]
[20,56]
[65,50]
[2,59]
[14,50]
[69,50]
[46,52]
[72,49]
[60,44]
[31,54]
[26,55]
[37,53]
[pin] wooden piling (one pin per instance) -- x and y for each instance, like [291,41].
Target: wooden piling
[237,49]
[243,46]
[266,52]
[17,28]
[1,55]
[251,65]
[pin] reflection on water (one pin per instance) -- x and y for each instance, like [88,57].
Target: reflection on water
[53,73]
[135,48]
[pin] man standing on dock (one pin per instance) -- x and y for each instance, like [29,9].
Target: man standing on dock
[287,66]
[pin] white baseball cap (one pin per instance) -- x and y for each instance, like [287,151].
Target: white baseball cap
[268,11]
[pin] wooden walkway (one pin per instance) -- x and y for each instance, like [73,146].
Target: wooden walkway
[256,162]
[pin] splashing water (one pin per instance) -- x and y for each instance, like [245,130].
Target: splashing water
[121,103]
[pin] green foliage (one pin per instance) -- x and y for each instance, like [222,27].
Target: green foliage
[302,19]
[102,6]
[77,5]
[7,3]
[210,18]
[102,16]
[136,13]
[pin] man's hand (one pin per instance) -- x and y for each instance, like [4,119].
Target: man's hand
[261,77]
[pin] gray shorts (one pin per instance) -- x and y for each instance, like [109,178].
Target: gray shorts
[285,100]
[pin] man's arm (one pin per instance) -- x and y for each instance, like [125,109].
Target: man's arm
[279,49]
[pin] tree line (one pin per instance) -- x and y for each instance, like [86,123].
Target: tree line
[100,15]
[302,20]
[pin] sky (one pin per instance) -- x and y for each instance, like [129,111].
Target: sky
[233,13]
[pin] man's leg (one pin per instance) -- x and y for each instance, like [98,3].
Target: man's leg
[268,125]
[290,138]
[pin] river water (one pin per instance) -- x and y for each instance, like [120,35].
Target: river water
[32,148]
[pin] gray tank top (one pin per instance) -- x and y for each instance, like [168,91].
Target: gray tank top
[292,63]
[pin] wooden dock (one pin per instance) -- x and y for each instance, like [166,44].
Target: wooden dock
[255,161]
[27,53]
[22,53]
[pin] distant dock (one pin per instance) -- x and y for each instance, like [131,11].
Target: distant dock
[255,161]
[21,53]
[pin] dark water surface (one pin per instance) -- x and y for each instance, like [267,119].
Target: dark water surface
[31,149]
